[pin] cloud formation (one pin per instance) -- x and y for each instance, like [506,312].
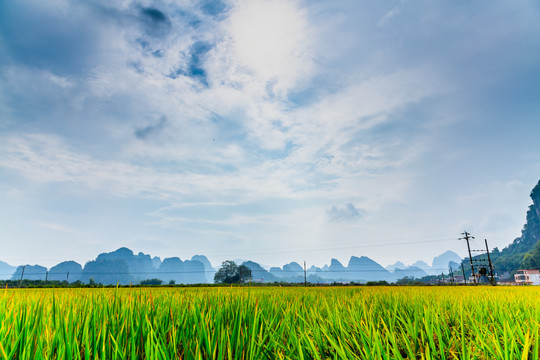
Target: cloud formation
[347,212]
[144,132]
[263,105]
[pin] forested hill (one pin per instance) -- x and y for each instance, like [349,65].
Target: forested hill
[523,252]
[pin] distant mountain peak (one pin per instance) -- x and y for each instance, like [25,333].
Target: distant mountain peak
[441,262]
[6,270]
[123,251]
[361,261]
[448,253]
[293,267]
[396,265]
[208,269]
[171,260]
[335,262]
[203,259]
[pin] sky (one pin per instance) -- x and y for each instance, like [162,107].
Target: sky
[275,131]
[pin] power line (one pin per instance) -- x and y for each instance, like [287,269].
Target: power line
[300,272]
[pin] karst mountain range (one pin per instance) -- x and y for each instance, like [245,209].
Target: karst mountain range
[125,267]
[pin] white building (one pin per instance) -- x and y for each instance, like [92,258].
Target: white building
[527,277]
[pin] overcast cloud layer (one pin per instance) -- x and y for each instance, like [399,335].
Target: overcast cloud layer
[272,130]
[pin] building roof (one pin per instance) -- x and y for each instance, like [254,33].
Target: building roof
[529,271]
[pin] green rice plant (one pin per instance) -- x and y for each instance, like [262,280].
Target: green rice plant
[271,323]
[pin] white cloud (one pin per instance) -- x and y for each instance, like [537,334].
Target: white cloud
[46,158]
[326,156]
[267,43]
[238,139]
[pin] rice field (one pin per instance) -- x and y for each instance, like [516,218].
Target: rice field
[271,323]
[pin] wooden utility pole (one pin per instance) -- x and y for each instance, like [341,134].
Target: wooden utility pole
[305,274]
[490,264]
[463,270]
[467,236]
[451,274]
[22,274]
[46,276]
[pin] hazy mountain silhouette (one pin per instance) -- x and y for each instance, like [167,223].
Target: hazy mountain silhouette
[156,261]
[182,272]
[422,265]
[31,272]
[107,272]
[170,270]
[6,271]
[410,272]
[294,269]
[194,272]
[292,272]
[366,269]
[396,265]
[124,267]
[276,271]
[456,266]
[363,269]
[67,270]
[209,270]
[258,273]
[441,262]
[335,266]
[359,269]
[140,266]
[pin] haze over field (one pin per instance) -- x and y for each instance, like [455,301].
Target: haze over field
[275,131]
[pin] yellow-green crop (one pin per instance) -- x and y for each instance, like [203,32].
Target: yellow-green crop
[271,323]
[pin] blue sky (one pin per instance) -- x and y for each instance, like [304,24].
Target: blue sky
[272,130]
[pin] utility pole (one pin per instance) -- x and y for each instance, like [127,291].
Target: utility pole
[46,276]
[305,274]
[463,270]
[67,277]
[467,236]
[490,264]
[22,274]
[451,274]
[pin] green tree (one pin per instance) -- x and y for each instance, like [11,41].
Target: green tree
[531,260]
[230,273]
[152,282]
[244,272]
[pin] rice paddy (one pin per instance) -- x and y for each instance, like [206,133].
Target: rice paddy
[271,323]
